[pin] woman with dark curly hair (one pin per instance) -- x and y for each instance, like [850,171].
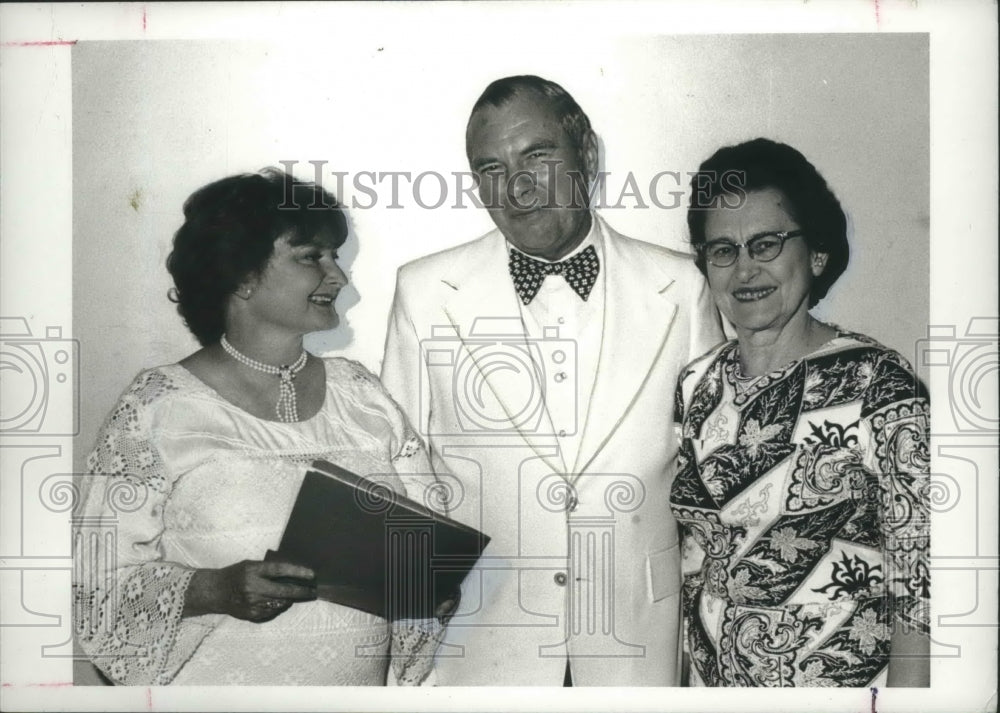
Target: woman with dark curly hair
[801,482]
[215,448]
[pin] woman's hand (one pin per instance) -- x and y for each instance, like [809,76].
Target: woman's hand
[249,590]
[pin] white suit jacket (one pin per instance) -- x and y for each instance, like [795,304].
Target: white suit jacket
[582,564]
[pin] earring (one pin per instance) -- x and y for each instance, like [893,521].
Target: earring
[249,291]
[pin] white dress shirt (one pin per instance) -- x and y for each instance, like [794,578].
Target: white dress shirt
[565,333]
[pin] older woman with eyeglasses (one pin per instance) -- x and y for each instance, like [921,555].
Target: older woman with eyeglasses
[801,481]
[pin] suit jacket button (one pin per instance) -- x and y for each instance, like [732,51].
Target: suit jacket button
[560,579]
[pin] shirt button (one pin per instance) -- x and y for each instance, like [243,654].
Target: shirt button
[560,377]
[560,579]
[561,320]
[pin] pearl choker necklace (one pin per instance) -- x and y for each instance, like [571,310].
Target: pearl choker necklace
[286,408]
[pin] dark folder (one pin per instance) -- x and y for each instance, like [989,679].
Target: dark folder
[373,549]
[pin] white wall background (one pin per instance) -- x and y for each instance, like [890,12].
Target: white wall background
[153,121]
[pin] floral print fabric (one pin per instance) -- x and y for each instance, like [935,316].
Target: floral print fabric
[182,479]
[802,499]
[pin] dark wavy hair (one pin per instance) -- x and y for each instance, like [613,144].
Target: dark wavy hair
[572,118]
[230,227]
[734,171]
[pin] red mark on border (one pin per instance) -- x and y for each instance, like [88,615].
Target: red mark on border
[878,19]
[149,699]
[50,43]
[38,685]
[143,18]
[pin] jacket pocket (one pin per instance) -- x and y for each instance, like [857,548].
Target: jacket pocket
[663,570]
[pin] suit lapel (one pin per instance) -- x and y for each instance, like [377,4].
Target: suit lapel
[637,319]
[484,312]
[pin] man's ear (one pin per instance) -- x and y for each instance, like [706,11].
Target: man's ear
[589,152]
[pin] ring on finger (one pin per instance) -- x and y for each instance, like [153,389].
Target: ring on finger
[273,604]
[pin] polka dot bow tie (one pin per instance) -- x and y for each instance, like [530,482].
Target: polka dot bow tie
[580,271]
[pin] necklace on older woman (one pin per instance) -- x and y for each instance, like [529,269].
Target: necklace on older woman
[287,407]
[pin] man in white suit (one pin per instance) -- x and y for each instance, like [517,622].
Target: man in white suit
[539,362]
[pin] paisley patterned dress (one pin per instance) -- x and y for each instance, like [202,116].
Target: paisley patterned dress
[802,500]
[181,479]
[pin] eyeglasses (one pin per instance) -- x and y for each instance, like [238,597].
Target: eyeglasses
[762,248]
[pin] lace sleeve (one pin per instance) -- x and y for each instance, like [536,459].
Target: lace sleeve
[896,412]
[127,600]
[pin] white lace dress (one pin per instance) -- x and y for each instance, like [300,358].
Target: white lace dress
[181,479]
